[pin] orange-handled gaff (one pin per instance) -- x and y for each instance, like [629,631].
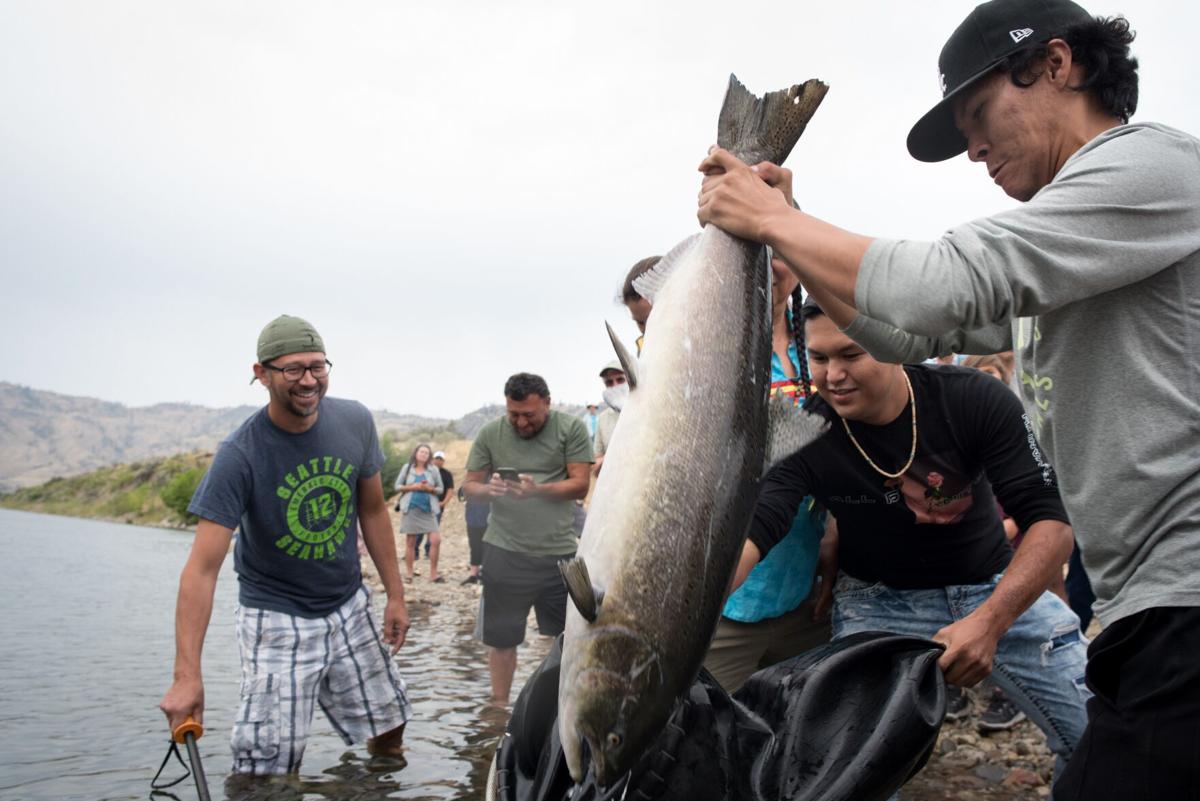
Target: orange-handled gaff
[188,733]
[189,726]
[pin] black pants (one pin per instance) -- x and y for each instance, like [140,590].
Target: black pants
[1143,735]
[1079,590]
[475,543]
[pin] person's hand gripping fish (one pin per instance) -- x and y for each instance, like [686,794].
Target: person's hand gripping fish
[740,199]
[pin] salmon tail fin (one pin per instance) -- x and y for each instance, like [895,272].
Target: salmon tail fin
[790,429]
[628,363]
[579,587]
[649,283]
[766,129]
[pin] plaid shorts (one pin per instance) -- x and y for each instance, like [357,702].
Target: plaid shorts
[290,664]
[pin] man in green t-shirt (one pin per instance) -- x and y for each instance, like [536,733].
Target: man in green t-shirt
[531,465]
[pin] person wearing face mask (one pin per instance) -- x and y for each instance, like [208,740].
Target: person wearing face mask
[616,390]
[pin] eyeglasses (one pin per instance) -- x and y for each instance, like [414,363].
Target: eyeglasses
[294,372]
[613,380]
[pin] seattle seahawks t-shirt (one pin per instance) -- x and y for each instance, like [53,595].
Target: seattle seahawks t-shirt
[294,499]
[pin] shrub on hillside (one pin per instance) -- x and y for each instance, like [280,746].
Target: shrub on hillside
[178,492]
[391,469]
[130,502]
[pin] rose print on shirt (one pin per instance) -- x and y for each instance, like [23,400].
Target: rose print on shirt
[934,481]
[939,498]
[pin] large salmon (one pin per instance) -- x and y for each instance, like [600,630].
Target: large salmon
[672,506]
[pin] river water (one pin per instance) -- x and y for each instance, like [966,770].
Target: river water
[86,650]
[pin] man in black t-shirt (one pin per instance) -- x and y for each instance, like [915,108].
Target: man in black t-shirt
[908,469]
[439,460]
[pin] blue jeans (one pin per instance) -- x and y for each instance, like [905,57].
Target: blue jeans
[1039,662]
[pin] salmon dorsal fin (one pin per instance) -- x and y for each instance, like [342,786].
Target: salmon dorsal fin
[651,282]
[766,128]
[628,363]
[789,429]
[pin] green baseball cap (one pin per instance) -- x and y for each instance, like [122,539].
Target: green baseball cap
[286,334]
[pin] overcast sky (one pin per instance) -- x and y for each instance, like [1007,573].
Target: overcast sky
[450,191]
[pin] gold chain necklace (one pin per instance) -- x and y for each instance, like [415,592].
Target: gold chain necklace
[912,401]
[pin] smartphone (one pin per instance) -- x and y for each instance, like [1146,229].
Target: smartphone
[509,474]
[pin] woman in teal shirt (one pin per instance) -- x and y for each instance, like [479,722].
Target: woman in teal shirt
[420,482]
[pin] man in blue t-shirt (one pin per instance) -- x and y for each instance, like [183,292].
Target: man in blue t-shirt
[298,479]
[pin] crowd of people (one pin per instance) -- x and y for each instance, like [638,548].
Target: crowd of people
[942,503]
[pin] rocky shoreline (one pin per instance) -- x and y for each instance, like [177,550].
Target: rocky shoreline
[1012,765]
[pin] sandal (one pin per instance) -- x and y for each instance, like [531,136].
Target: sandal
[439,580]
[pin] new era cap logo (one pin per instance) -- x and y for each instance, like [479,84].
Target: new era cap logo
[1022,33]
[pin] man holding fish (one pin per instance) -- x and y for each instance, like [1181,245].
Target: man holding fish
[1093,280]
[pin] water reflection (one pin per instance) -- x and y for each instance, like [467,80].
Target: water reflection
[451,741]
[352,779]
[366,778]
[88,728]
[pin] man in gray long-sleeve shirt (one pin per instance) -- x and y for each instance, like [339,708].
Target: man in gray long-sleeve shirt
[1095,282]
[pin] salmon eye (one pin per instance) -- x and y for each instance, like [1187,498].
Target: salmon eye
[614,740]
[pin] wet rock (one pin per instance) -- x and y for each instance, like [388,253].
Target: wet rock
[1019,777]
[965,757]
[991,773]
[947,745]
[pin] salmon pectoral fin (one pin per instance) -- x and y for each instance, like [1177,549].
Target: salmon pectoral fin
[586,598]
[790,429]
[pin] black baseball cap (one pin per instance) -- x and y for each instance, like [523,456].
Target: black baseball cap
[989,34]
